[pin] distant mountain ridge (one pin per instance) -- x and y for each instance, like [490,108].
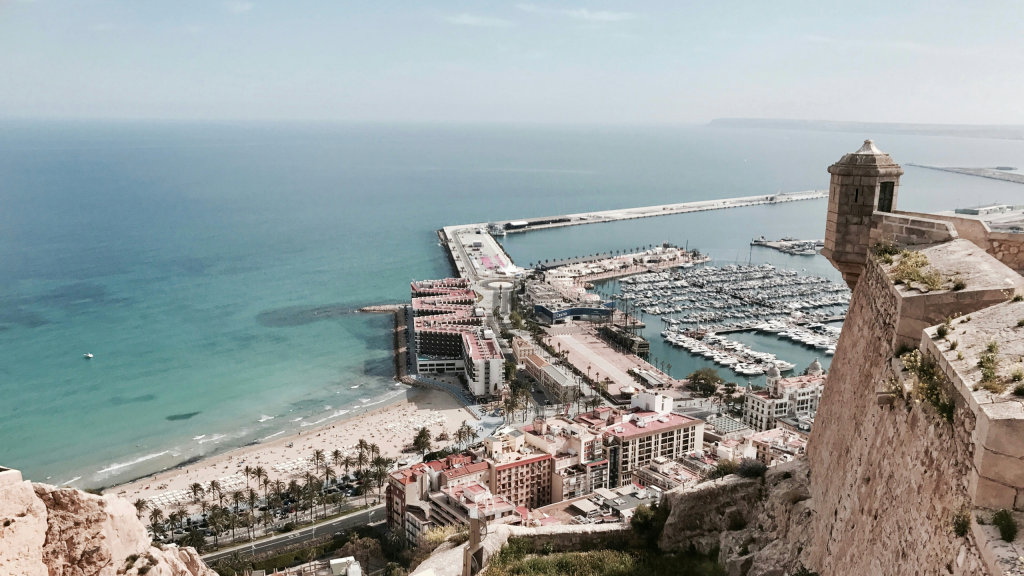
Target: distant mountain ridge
[1002,132]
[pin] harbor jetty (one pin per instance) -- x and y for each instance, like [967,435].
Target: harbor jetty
[382,308]
[527,224]
[792,246]
[1004,173]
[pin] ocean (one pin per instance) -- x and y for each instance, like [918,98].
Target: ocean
[214,270]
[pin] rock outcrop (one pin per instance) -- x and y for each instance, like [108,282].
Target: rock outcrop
[50,531]
[760,527]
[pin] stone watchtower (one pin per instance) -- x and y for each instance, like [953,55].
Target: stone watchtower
[863,182]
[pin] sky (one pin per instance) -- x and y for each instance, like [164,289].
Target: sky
[586,61]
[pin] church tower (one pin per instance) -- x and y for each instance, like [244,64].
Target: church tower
[863,182]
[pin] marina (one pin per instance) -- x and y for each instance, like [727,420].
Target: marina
[699,306]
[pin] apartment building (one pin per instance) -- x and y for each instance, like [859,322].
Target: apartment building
[452,504]
[792,398]
[648,430]
[665,474]
[408,504]
[450,337]
[524,480]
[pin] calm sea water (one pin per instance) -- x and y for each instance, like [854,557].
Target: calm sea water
[214,270]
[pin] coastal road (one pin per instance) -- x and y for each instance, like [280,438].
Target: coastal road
[302,535]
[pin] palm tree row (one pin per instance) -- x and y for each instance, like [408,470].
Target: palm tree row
[223,510]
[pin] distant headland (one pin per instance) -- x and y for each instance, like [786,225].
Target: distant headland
[1002,132]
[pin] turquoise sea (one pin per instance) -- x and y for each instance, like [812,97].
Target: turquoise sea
[214,269]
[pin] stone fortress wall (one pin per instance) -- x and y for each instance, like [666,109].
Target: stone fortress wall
[889,470]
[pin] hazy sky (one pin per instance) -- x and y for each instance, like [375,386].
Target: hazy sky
[565,61]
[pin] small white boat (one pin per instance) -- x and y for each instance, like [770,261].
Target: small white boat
[87,355]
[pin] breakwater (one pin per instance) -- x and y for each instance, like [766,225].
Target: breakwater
[540,223]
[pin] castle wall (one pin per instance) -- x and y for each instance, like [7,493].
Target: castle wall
[886,480]
[1006,247]
[909,231]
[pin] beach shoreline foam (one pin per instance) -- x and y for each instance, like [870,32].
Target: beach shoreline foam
[390,426]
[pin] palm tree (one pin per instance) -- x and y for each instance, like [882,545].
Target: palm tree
[197,492]
[266,518]
[311,488]
[318,458]
[251,498]
[141,505]
[266,482]
[336,457]
[259,473]
[374,450]
[216,523]
[214,489]
[156,521]
[381,465]
[329,475]
[248,472]
[237,497]
[348,462]
[362,457]
[233,523]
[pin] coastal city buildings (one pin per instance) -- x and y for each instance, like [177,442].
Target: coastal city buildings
[793,398]
[648,430]
[598,465]
[450,335]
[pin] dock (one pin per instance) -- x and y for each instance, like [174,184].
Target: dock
[544,222]
[794,322]
[998,173]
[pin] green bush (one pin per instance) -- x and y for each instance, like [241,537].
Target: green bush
[953,344]
[930,382]
[942,331]
[649,521]
[1007,525]
[751,468]
[1018,297]
[519,559]
[959,285]
[886,249]
[1018,390]
[722,469]
[961,522]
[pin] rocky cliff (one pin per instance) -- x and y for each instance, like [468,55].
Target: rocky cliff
[50,531]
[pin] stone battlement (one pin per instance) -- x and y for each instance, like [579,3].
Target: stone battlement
[903,444]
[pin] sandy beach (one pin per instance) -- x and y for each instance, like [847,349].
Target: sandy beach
[391,428]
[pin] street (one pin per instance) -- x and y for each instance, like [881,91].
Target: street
[304,534]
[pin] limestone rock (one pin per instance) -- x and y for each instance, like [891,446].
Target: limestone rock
[50,531]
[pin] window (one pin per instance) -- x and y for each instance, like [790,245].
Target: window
[885,193]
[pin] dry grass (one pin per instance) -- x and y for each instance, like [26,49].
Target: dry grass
[914,268]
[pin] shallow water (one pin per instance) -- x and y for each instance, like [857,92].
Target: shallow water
[214,269]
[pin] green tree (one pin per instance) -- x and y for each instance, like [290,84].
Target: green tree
[197,491]
[421,443]
[510,371]
[648,522]
[704,381]
[195,539]
[156,521]
[141,505]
